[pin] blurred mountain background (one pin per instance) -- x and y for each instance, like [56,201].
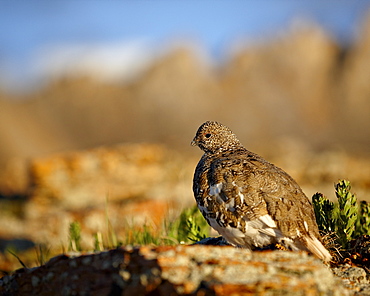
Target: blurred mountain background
[79,79]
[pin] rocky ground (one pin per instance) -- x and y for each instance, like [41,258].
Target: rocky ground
[186,270]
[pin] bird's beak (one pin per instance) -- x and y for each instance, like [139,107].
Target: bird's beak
[194,142]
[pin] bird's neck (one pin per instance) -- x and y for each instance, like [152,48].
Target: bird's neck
[226,150]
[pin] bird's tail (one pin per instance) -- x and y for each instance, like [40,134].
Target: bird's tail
[317,248]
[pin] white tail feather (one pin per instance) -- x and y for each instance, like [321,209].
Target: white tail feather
[316,247]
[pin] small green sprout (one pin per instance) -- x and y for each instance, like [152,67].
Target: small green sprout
[75,237]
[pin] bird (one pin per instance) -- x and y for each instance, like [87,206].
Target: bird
[249,201]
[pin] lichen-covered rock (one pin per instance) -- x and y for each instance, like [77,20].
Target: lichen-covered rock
[77,179]
[179,270]
[354,277]
[132,184]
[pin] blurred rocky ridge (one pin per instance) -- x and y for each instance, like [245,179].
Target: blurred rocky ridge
[300,85]
[79,149]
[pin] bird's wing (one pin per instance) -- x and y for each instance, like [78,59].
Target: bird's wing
[253,188]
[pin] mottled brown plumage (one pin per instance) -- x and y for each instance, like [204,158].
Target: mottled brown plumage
[249,201]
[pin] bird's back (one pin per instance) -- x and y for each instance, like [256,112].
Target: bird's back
[265,187]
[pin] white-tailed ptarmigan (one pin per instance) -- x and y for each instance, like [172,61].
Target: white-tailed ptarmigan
[249,201]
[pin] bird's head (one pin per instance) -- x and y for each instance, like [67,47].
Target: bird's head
[213,137]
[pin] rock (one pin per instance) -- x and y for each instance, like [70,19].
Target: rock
[131,184]
[354,277]
[179,270]
[352,273]
[75,179]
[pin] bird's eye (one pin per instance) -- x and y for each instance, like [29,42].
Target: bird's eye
[207,135]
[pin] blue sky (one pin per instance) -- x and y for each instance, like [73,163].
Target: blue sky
[28,26]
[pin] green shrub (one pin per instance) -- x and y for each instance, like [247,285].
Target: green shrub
[363,221]
[324,211]
[192,226]
[345,217]
[346,214]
